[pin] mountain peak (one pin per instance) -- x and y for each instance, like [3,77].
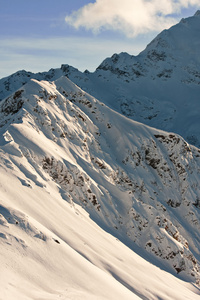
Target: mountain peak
[139,183]
[69,160]
[197,13]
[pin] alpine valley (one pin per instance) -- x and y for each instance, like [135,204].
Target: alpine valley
[99,176]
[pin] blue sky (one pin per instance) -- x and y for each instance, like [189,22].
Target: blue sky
[42,34]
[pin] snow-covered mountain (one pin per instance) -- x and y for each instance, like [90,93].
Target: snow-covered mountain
[67,162]
[160,87]
[94,204]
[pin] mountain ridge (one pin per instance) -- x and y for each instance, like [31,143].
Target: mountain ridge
[86,192]
[95,170]
[159,87]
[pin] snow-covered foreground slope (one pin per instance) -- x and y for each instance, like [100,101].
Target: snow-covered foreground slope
[52,250]
[160,87]
[93,205]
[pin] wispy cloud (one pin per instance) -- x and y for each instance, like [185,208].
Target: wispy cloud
[132,17]
[38,54]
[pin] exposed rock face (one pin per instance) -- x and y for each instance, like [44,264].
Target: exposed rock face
[139,183]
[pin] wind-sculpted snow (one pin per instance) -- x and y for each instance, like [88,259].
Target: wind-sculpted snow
[65,149]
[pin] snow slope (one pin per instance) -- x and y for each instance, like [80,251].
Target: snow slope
[160,87]
[93,205]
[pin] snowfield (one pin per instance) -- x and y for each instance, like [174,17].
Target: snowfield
[95,203]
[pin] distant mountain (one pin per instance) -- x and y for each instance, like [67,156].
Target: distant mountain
[160,87]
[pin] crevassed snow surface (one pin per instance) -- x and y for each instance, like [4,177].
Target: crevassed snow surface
[93,205]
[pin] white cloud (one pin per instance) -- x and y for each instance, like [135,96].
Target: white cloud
[132,17]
